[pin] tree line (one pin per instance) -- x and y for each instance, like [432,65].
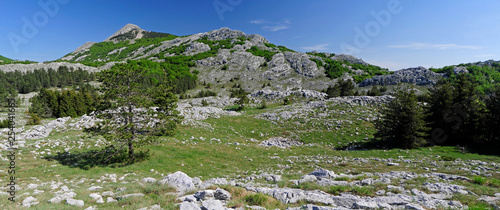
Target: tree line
[40,78]
[348,88]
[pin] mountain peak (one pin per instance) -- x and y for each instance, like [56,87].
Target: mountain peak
[126,29]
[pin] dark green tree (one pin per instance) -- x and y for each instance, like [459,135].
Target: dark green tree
[402,123]
[341,88]
[493,119]
[374,91]
[33,119]
[138,113]
[443,119]
[468,101]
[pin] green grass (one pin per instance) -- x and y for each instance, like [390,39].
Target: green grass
[479,180]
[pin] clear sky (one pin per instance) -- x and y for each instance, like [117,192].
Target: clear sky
[393,34]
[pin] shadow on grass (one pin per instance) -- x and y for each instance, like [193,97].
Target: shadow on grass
[107,157]
[366,145]
[383,145]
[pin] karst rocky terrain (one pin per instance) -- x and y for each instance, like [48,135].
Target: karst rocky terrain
[308,154]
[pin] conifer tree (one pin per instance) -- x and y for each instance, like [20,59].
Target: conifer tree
[402,123]
[493,119]
[131,120]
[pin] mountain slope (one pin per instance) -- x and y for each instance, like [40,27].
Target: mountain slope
[4,59]
[224,55]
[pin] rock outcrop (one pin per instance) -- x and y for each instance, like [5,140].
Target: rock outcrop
[416,76]
[181,181]
[127,29]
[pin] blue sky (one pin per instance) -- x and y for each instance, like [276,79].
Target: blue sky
[393,34]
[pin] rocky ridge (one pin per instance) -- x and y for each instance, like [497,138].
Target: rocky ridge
[52,65]
[416,76]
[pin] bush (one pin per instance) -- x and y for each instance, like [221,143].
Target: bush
[374,91]
[257,199]
[479,180]
[263,105]
[286,101]
[33,119]
[448,158]
[204,102]
[4,123]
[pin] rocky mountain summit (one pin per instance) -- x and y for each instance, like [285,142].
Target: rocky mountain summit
[129,28]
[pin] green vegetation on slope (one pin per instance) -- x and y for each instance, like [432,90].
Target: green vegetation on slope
[280,48]
[335,69]
[100,53]
[485,77]
[268,55]
[5,60]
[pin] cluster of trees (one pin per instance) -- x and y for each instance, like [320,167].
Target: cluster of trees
[376,91]
[35,80]
[6,93]
[342,88]
[456,113]
[176,70]
[200,94]
[54,104]
[348,88]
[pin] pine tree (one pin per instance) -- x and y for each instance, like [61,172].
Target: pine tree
[374,91]
[469,103]
[33,119]
[347,87]
[403,122]
[341,88]
[333,91]
[493,119]
[131,122]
